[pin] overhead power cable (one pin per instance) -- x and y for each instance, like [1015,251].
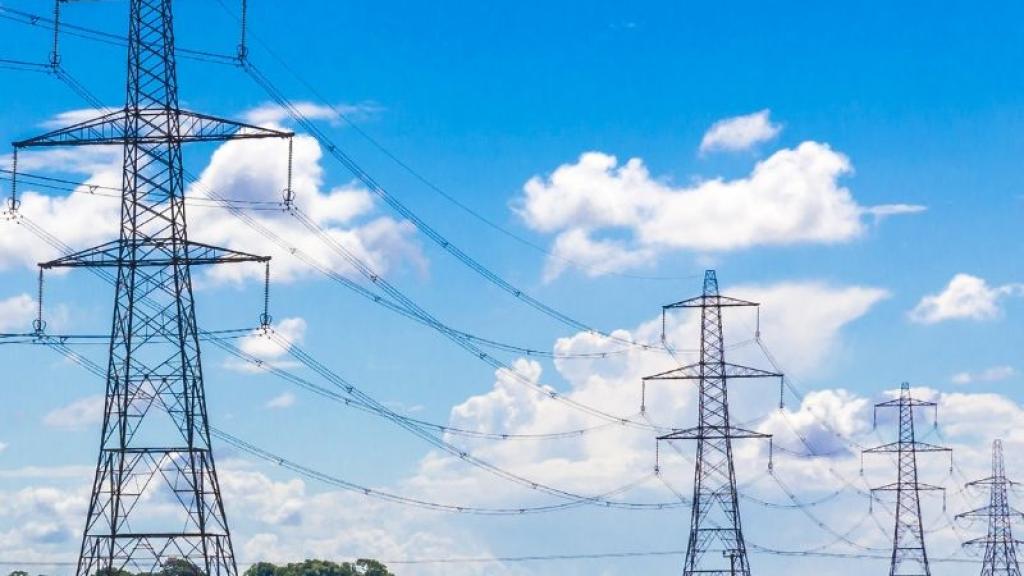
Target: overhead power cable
[452,334]
[64,185]
[349,399]
[411,427]
[397,205]
[602,499]
[256,205]
[756,548]
[94,35]
[429,231]
[378,407]
[423,179]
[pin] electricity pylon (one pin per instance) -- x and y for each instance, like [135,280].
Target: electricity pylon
[716,546]
[909,555]
[156,496]
[1000,546]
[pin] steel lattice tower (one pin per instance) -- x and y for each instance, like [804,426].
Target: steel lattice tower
[716,546]
[1000,546]
[155,451]
[909,555]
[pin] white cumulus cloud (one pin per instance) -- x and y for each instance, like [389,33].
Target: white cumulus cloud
[609,216]
[17,313]
[740,132]
[280,402]
[250,171]
[993,374]
[80,414]
[265,349]
[966,297]
[272,114]
[803,321]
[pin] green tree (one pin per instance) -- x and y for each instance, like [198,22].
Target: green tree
[262,569]
[177,567]
[362,567]
[366,567]
[112,572]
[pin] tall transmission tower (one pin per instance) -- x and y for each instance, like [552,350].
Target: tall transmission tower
[716,546]
[1000,546]
[155,450]
[909,555]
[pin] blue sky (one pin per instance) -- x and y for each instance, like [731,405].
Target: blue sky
[846,108]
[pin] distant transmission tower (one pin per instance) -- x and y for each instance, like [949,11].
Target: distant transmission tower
[909,556]
[155,451]
[716,546]
[1000,546]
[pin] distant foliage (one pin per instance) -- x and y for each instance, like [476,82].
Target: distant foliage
[361,567]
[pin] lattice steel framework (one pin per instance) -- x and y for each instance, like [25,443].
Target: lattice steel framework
[155,498]
[909,555]
[716,546]
[1000,545]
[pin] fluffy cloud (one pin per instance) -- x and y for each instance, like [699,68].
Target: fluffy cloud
[272,520]
[608,216]
[72,117]
[323,522]
[45,521]
[272,114]
[343,525]
[966,297]
[240,170]
[804,320]
[80,414]
[17,313]
[259,345]
[993,374]
[822,423]
[740,132]
[282,401]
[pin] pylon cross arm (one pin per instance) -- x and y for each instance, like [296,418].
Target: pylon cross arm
[710,301]
[985,541]
[901,402]
[906,447]
[712,432]
[698,371]
[908,486]
[988,511]
[152,252]
[149,126]
[991,481]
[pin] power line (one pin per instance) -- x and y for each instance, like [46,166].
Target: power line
[366,401]
[315,366]
[98,190]
[454,335]
[249,448]
[94,35]
[399,207]
[423,179]
[376,408]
